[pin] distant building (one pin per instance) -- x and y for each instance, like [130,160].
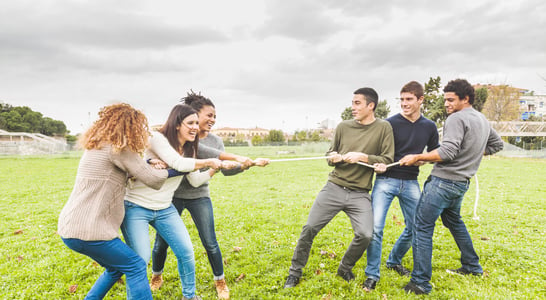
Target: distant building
[327,134]
[533,105]
[327,124]
[230,133]
[530,105]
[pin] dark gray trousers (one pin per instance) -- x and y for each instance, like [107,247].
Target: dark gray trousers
[329,202]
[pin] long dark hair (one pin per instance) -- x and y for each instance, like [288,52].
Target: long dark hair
[169,130]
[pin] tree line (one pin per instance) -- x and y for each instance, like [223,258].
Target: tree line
[24,119]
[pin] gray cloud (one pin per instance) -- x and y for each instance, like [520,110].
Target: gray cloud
[301,20]
[286,61]
[86,36]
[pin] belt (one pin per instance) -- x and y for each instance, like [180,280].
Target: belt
[355,190]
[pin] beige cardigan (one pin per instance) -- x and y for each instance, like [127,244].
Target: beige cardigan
[95,209]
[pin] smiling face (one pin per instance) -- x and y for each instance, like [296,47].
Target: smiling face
[453,103]
[410,106]
[188,129]
[361,111]
[207,118]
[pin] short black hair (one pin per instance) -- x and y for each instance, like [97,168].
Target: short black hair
[369,94]
[461,88]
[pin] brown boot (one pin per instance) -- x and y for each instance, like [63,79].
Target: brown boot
[222,289]
[156,282]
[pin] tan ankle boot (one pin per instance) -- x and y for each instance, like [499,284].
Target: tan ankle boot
[156,282]
[222,289]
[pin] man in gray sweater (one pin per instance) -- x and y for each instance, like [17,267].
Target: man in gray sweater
[467,137]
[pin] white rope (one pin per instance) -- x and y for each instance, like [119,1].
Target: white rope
[365,164]
[299,158]
[326,157]
[477,197]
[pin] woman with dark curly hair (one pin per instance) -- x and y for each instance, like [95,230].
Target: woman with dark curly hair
[89,222]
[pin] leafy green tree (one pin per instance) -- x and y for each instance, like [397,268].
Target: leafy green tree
[433,104]
[257,140]
[382,110]
[71,138]
[480,96]
[502,103]
[24,119]
[301,136]
[315,136]
[14,121]
[5,107]
[347,114]
[31,118]
[275,136]
[51,127]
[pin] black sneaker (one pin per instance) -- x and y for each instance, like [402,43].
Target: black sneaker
[347,276]
[462,271]
[369,284]
[400,270]
[291,281]
[414,288]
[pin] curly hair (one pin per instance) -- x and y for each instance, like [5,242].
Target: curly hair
[120,125]
[461,88]
[196,101]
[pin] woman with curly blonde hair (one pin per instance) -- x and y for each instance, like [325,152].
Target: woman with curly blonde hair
[119,125]
[89,222]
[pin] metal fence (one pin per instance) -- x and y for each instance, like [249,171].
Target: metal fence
[23,143]
[514,151]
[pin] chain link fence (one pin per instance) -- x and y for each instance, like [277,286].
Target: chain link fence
[515,151]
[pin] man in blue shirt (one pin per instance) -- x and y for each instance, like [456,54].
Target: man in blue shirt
[467,137]
[412,134]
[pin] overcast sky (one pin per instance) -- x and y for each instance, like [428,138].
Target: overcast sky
[273,64]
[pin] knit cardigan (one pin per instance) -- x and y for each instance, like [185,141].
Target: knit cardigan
[95,209]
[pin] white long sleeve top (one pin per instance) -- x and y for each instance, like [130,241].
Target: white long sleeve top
[138,193]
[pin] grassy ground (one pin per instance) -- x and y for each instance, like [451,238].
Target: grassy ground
[259,215]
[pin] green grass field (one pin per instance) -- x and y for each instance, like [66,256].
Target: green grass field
[259,215]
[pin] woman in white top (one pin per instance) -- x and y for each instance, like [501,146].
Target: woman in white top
[197,199]
[175,144]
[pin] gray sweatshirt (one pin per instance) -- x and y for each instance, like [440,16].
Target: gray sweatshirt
[467,137]
[210,147]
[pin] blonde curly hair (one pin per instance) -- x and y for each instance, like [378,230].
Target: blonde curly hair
[119,125]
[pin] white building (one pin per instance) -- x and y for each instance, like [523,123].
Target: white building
[532,105]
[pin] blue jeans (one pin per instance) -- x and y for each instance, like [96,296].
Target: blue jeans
[441,197]
[202,214]
[118,259]
[384,191]
[169,225]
